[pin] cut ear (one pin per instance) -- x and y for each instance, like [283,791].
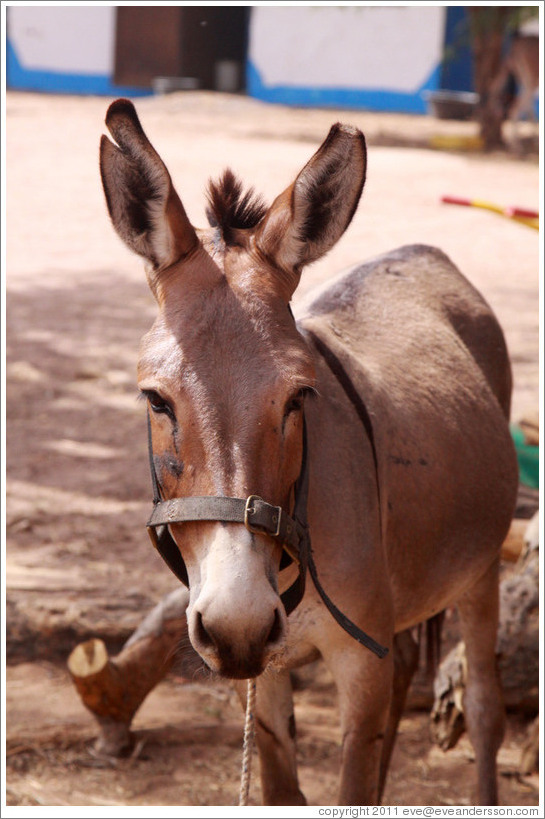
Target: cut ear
[310,216]
[143,205]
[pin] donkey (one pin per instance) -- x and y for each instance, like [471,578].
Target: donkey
[521,63]
[367,442]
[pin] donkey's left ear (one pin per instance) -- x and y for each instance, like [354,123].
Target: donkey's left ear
[313,213]
[143,205]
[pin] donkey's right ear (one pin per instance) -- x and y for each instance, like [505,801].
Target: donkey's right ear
[143,205]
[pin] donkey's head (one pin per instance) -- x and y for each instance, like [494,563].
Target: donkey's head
[223,368]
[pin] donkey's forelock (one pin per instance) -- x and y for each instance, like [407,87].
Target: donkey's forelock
[229,208]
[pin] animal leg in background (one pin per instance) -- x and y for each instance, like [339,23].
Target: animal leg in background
[521,63]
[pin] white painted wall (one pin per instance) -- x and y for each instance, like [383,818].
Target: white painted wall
[369,51]
[389,47]
[70,39]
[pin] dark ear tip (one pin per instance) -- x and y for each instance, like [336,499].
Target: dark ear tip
[122,110]
[120,106]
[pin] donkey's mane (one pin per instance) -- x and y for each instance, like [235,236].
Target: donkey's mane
[229,208]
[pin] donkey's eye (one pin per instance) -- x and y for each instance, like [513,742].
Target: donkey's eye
[295,404]
[158,404]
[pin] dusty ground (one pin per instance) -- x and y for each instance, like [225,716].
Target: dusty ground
[78,561]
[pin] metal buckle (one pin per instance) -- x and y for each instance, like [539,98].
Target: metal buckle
[279,515]
[249,510]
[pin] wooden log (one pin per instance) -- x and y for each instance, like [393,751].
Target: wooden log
[113,689]
[527,502]
[514,543]
[517,651]
[447,715]
[530,426]
[529,758]
[526,509]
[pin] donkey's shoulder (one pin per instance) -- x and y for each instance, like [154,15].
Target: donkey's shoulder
[410,275]
[412,303]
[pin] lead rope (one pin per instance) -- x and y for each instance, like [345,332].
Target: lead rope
[248,744]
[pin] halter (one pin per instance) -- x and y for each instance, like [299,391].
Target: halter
[261,517]
[258,516]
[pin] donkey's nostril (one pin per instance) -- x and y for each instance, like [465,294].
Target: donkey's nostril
[237,648]
[202,635]
[276,629]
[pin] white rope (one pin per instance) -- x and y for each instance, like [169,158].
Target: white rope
[248,744]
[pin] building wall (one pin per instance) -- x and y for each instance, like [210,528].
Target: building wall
[62,49]
[378,57]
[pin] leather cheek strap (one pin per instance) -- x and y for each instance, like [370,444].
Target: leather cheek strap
[165,544]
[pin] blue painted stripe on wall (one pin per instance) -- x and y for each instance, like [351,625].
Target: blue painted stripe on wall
[373,99]
[30,79]
[457,68]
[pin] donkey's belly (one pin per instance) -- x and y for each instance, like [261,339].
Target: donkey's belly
[450,497]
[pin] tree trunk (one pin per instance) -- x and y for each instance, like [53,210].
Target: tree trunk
[113,689]
[488,25]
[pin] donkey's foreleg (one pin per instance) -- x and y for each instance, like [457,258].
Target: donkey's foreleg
[275,733]
[406,651]
[364,685]
[483,704]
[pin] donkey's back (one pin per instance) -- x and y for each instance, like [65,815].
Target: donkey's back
[401,301]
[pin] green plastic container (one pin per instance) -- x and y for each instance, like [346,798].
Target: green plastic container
[528,458]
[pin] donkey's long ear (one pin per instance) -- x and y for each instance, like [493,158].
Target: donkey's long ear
[310,216]
[143,205]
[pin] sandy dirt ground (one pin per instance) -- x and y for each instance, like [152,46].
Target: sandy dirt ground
[78,560]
